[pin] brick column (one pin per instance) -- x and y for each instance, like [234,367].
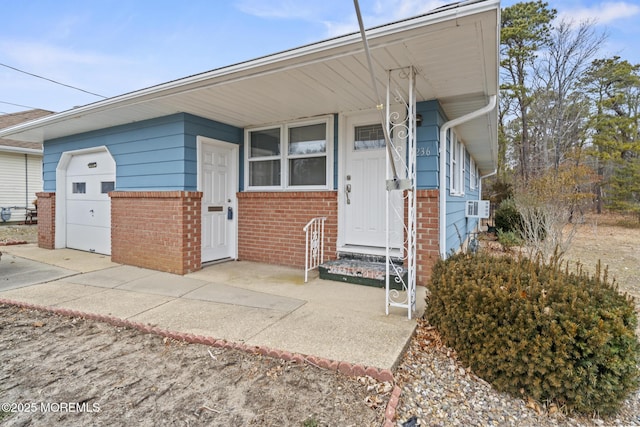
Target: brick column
[160,230]
[427,236]
[46,220]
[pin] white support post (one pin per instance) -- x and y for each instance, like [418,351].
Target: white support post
[404,131]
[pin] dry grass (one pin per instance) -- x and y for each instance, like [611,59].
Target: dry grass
[609,239]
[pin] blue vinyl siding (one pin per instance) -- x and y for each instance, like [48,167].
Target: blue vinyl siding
[427,137]
[153,155]
[197,126]
[458,225]
[427,168]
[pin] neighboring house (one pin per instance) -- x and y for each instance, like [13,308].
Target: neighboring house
[232,163]
[20,167]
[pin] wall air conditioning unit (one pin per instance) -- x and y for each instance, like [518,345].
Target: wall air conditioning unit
[477,209]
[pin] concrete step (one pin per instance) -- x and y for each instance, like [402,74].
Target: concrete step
[361,272]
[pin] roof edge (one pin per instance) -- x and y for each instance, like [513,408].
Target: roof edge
[19,150]
[442,14]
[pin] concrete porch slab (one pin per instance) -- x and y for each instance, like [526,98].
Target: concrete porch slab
[50,294]
[289,282]
[221,321]
[166,284]
[257,304]
[339,334]
[112,277]
[70,259]
[17,272]
[216,292]
[247,273]
[115,302]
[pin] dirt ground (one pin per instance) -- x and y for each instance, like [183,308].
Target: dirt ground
[57,370]
[16,233]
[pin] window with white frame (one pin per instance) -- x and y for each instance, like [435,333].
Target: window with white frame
[290,156]
[473,174]
[457,168]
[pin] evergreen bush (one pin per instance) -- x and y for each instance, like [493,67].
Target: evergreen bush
[537,328]
[507,217]
[508,239]
[530,226]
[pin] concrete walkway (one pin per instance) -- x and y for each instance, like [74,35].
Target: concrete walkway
[252,303]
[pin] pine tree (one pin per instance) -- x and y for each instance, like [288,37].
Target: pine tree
[614,86]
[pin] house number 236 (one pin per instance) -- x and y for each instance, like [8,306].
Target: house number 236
[423,151]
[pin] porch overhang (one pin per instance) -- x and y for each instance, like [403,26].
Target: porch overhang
[454,50]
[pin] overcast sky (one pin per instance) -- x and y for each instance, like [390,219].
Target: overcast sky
[113,47]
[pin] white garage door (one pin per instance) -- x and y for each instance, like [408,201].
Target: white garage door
[90,177]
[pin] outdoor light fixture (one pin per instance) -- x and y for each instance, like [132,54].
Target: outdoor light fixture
[418,120]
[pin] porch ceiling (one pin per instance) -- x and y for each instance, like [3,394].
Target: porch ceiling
[454,50]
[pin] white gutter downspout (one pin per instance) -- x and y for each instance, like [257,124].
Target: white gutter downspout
[443,167]
[495,171]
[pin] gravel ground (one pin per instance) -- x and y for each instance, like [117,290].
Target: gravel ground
[438,391]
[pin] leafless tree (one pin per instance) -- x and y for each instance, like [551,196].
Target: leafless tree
[560,108]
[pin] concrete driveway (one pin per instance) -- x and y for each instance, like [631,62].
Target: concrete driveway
[17,272]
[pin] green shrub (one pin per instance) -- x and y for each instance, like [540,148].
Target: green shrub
[509,239]
[507,217]
[535,327]
[531,226]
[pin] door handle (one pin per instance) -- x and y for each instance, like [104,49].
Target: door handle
[347,191]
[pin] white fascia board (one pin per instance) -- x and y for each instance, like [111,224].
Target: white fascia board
[20,150]
[266,64]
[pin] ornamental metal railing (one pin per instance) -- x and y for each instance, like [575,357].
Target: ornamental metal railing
[402,156]
[314,245]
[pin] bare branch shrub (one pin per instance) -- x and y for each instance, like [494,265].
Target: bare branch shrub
[550,206]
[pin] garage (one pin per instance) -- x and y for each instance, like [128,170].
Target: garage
[89,179]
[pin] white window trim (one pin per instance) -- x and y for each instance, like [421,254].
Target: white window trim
[473,174]
[284,156]
[463,173]
[457,165]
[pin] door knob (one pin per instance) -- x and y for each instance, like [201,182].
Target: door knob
[347,191]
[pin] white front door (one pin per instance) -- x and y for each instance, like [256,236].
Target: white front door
[217,180]
[364,187]
[89,179]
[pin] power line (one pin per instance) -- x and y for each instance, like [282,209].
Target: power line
[19,105]
[50,80]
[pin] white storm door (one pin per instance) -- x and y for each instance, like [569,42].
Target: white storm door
[89,179]
[365,187]
[218,181]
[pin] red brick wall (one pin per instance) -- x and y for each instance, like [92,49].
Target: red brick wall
[160,230]
[46,220]
[427,236]
[270,225]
